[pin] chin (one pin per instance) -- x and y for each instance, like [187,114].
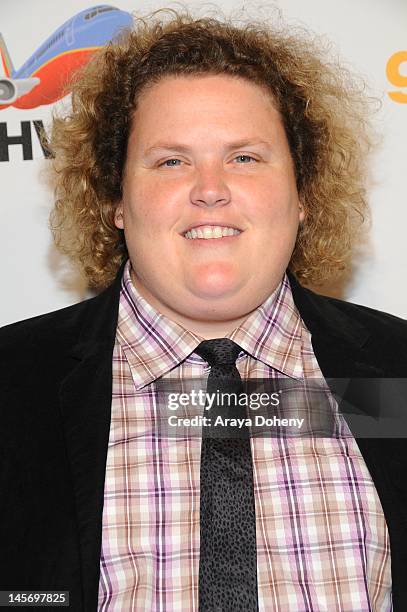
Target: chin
[215,313]
[215,282]
[215,291]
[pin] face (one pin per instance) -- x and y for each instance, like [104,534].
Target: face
[208,151]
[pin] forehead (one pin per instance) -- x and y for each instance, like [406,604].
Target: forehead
[204,104]
[205,84]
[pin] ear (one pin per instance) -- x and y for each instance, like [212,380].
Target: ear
[301,213]
[118,216]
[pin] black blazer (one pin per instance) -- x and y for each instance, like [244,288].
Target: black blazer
[55,401]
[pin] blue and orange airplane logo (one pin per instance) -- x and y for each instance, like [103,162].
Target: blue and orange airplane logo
[42,78]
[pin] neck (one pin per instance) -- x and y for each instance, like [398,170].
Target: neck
[206,329]
[210,329]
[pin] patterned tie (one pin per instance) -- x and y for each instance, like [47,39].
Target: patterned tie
[228,554]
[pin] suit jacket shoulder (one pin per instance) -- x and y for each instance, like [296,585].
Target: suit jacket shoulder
[344,329]
[376,320]
[90,323]
[46,329]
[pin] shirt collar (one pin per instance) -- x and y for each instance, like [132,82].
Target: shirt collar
[154,344]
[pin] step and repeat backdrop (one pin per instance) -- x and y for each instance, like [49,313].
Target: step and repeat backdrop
[41,43]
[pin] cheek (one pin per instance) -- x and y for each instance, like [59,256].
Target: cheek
[140,211]
[277,215]
[151,203]
[137,194]
[280,204]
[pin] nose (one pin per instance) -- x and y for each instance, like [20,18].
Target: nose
[210,188]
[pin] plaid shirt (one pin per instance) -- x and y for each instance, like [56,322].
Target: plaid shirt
[322,539]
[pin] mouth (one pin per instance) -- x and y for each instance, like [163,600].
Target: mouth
[211,233]
[213,242]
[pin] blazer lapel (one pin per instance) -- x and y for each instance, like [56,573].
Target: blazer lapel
[85,400]
[338,342]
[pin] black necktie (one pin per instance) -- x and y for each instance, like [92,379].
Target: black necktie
[228,554]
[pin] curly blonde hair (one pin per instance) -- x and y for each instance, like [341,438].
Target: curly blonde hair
[323,108]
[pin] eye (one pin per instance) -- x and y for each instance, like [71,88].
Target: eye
[245,156]
[164,163]
[169,163]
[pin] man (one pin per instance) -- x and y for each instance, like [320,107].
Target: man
[186,127]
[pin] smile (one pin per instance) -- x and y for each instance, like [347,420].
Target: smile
[210,232]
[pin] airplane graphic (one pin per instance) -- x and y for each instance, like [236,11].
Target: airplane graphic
[41,80]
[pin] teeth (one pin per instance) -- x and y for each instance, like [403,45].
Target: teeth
[211,231]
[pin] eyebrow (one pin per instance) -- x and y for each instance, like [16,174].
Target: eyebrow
[175,146]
